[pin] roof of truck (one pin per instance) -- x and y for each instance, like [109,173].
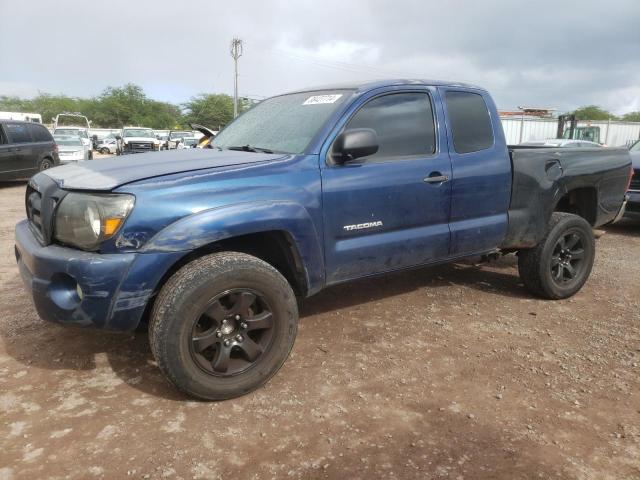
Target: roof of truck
[366,86]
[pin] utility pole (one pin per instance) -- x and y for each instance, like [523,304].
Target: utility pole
[236,53]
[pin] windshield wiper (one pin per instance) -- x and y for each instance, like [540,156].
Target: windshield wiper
[249,148]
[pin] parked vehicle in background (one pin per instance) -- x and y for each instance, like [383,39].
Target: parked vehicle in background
[570,128]
[633,202]
[207,135]
[305,190]
[25,148]
[136,140]
[162,138]
[561,143]
[71,149]
[187,143]
[22,116]
[108,145]
[74,124]
[175,136]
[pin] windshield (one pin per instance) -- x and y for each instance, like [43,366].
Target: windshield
[284,124]
[70,141]
[139,132]
[190,141]
[635,147]
[72,131]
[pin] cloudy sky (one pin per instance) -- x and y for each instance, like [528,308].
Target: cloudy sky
[560,53]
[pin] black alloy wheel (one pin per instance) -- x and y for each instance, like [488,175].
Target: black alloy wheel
[567,259]
[232,332]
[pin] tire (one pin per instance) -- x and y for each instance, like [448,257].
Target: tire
[104,151]
[196,307]
[557,267]
[45,164]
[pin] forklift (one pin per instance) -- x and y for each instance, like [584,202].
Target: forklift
[568,128]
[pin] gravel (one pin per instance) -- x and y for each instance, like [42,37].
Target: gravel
[380,384]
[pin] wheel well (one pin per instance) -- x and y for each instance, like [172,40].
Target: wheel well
[580,201]
[274,247]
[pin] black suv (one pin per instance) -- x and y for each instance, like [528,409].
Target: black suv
[25,148]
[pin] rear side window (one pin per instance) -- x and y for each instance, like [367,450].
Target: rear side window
[403,122]
[39,133]
[3,140]
[18,132]
[470,122]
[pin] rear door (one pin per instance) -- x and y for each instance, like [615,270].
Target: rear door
[41,143]
[481,180]
[19,151]
[380,212]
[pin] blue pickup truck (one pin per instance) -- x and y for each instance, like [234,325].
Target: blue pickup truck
[213,247]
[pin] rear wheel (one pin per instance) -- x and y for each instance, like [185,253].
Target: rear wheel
[223,325]
[560,264]
[104,151]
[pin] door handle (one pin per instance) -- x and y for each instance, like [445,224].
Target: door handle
[436,177]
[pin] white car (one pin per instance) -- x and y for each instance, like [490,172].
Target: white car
[71,149]
[107,145]
[76,125]
[177,136]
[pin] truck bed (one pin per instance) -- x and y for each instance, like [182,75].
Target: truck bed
[545,178]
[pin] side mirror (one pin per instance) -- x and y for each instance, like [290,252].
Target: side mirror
[355,143]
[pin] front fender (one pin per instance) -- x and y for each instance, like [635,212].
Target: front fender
[213,225]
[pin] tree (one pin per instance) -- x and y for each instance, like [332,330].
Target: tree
[631,117]
[593,112]
[211,110]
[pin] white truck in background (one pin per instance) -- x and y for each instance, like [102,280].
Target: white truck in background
[25,117]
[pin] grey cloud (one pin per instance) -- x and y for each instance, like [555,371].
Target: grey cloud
[554,53]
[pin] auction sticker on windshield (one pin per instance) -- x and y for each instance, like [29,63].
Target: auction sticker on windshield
[318,99]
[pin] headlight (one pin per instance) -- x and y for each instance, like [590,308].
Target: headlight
[86,220]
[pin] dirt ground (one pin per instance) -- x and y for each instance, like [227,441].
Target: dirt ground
[448,372]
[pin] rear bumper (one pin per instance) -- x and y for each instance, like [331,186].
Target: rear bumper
[83,288]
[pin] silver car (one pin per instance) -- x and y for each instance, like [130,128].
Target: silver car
[107,145]
[71,149]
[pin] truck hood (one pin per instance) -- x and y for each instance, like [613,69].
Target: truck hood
[109,173]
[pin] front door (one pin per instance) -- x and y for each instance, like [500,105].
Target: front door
[389,210]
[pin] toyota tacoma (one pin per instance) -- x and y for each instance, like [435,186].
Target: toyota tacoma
[306,190]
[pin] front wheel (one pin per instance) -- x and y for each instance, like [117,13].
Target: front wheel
[223,325]
[560,264]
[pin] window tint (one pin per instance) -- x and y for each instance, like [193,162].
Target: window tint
[2,137]
[470,122]
[403,122]
[18,132]
[39,133]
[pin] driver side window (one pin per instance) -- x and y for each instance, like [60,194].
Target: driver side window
[403,123]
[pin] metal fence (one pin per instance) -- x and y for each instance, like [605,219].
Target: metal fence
[523,129]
